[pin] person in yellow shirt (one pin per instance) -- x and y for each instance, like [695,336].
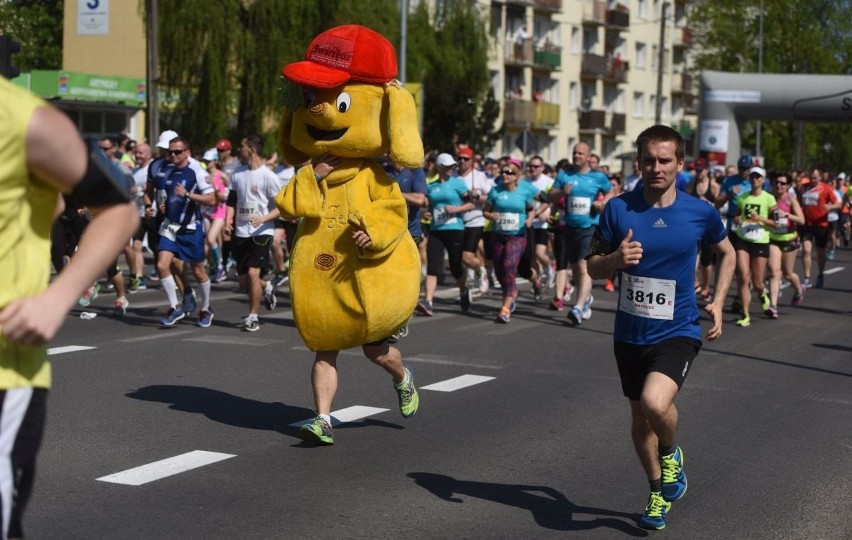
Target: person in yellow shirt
[31,308]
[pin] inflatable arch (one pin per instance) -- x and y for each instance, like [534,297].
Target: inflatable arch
[729,98]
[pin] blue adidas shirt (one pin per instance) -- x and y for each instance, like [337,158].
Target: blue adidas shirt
[657,297]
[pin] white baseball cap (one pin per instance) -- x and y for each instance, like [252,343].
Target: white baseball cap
[165,137]
[757,170]
[210,155]
[445,160]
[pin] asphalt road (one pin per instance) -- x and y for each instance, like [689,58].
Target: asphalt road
[524,435]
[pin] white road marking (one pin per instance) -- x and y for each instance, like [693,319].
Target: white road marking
[158,335]
[165,468]
[230,340]
[451,385]
[446,361]
[67,349]
[834,270]
[349,414]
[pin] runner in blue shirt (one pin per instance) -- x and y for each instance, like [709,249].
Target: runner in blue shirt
[448,200]
[651,237]
[510,209]
[581,187]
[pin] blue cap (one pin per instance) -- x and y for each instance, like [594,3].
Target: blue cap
[745,162]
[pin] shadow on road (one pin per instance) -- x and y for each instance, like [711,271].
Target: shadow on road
[549,508]
[226,408]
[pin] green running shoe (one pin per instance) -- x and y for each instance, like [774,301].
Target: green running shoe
[764,301]
[744,322]
[318,431]
[655,512]
[674,479]
[409,399]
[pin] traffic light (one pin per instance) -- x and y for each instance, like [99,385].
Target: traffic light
[8,47]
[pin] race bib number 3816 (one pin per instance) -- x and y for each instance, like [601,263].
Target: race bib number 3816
[647,297]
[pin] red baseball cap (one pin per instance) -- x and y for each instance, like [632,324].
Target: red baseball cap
[466,152]
[223,144]
[344,53]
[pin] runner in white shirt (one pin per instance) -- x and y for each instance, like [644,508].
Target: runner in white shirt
[251,204]
[473,256]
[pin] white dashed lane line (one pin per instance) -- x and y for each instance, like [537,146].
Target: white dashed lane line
[68,349]
[451,385]
[164,468]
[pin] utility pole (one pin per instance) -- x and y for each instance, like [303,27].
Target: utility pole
[151,77]
[759,70]
[661,56]
[403,37]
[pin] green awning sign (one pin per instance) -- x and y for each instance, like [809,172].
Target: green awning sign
[87,87]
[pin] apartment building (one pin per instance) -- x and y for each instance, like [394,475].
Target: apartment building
[587,70]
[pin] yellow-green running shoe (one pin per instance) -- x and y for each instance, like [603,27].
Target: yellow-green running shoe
[409,399]
[674,478]
[318,431]
[764,301]
[655,512]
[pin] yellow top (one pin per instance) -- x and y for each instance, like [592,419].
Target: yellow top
[26,216]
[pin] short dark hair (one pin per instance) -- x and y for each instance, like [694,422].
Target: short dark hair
[661,133]
[255,142]
[179,140]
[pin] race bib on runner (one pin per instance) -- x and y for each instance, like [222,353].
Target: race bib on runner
[580,206]
[169,229]
[647,297]
[810,198]
[246,211]
[753,232]
[440,216]
[507,221]
[781,225]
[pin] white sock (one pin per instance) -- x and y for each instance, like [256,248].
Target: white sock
[326,417]
[268,288]
[405,380]
[205,295]
[168,284]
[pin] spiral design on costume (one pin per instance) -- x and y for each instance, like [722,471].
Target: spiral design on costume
[324,261]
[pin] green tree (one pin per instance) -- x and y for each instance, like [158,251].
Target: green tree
[799,36]
[220,63]
[37,26]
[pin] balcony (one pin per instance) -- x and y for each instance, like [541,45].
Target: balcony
[520,53]
[553,6]
[594,12]
[546,114]
[682,84]
[682,37]
[518,112]
[618,19]
[593,66]
[616,71]
[549,57]
[618,123]
[690,104]
[593,121]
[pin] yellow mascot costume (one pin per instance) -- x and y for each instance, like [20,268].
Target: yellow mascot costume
[354,271]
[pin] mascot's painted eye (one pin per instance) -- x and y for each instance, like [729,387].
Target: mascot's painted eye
[344,102]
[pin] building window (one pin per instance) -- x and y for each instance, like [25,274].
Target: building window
[573,97]
[642,12]
[652,106]
[638,104]
[576,40]
[654,54]
[641,53]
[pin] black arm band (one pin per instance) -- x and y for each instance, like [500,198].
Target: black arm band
[598,247]
[102,184]
[232,198]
